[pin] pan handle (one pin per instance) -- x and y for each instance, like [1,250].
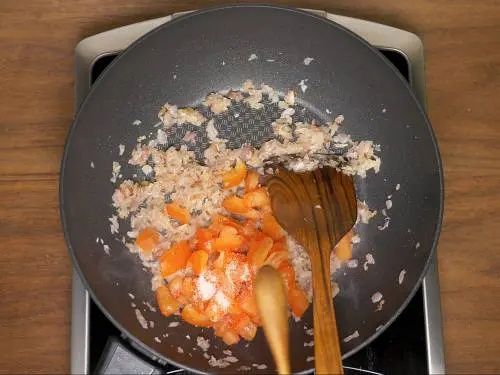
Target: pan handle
[118,359]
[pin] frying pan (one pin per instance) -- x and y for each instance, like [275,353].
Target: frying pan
[209,51]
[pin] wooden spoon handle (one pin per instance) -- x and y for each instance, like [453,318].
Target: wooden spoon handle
[327,355]
[270,294]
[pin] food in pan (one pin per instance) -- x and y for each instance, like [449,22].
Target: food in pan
[203,226]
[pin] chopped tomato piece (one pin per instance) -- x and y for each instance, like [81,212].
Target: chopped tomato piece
[251,181]
[271,227]
[288,273]
[191,315]
[236,271]
[298,301]
[235,308]
[230,337]
[235,205]
[257,199]
[277,258]
[343,250]
[220,327]
[245,327]
[199,304]
[229,243]
[218,260]
[188,287]
[198,261]
[227,231]
[147,240]
[175,258]
[215,228]
[248,304]
[234,257]
[167,303]
[204,234]
[250,228]
[177,212]
[229,284]
[226,221]
[203,239]
[215,311]
[235,176]
[258,250]
[279,246]
[175,286]
[183,300]
[251,214]
[224,326]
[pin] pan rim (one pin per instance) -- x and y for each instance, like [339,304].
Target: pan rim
[420,106]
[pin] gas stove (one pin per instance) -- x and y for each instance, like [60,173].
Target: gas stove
[413,344]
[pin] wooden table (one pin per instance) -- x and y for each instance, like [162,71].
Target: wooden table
[37,38]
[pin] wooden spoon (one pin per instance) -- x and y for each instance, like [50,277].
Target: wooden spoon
[270,293]
[317,208]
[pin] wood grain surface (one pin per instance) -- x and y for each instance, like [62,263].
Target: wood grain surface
[271,298]
[37,40]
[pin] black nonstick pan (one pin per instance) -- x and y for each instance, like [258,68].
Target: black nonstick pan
[209,51]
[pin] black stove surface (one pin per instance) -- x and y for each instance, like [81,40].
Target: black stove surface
[400,349]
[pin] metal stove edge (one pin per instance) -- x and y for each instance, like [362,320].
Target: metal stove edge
[381,36]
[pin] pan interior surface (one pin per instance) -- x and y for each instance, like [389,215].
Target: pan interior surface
[184,60]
